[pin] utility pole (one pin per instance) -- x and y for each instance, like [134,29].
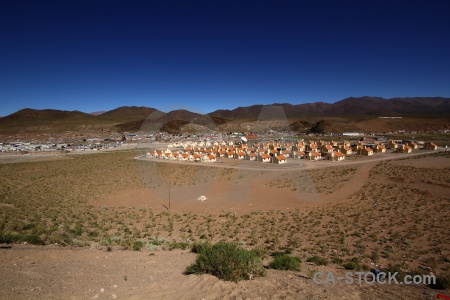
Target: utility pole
[169,195]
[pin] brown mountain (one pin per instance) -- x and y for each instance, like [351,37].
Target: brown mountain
[361,114]
[349,106]
[32,120]
[391,107]
[172,122]
[130,114]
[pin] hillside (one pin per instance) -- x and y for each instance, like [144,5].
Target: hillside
[350,114]
[32,120]
[129,114]
[173,122]
[349,106]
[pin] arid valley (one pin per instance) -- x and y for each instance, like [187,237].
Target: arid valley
[109,233]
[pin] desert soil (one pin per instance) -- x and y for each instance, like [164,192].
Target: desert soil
[51,272]
[380,211]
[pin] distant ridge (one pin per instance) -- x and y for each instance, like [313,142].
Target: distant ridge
[349,106]
[348,114]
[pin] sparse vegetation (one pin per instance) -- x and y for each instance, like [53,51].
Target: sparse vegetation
[318,260]
[388,221]
[285,262]
[137,245]
[227,261]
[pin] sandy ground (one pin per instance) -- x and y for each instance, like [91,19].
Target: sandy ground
[429,162]
[55,272]
[243,195]
[9,159]
[51,272]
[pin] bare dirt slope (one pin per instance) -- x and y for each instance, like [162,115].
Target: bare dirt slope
[52,272]
[380,213]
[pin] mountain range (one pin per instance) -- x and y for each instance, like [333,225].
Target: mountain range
[427,113]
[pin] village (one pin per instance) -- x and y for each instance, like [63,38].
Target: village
[279,152]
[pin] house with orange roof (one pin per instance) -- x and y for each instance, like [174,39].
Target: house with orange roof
[298,154]
[221,153]
[149,154]
[158,154]
[229,154]
[250,149]
[183,157]
[311,147]
[345,149]
[209,158]
[326,148]
[168,155]
[346,143]
[392,145]
[196,157]
[251,156]
[404,149]
[413,145]
[273,152]
[285,153]
[366,151]
[336,156]
[264,157]
[379,148]
[298,147]
[279,159]
[314,155]
[239,155]
[430,146]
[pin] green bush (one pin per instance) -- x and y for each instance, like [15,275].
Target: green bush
[285,262]
[355,264]
[337,261]
[318,260]
[6,238]
[137,245]
[199,247]
[260,252]
[350,266]
[9,238]
[227,261]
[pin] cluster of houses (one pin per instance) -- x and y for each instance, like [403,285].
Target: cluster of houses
[407,147]
[51,148]
[276,152]
[26,147]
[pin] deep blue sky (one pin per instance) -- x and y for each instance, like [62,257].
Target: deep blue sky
[98,55]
